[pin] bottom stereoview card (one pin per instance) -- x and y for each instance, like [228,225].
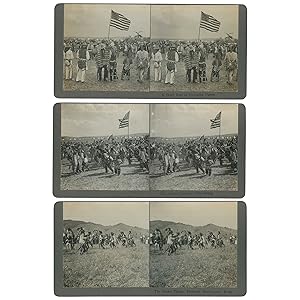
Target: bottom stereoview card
[150,248]
[149,150]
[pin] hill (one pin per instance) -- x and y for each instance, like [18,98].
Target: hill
[89,226]
[178,227]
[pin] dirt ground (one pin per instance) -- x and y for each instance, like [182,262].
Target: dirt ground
[222,179]
[132,178]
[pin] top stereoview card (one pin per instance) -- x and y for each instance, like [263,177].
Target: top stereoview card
[150,51]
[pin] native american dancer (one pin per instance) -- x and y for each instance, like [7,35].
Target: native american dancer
[102,62]
[142,63]
[113,64]
[202,64]
[216,67]
[191,64]
[231,64]
[171,58]
[127,63]
[82,66]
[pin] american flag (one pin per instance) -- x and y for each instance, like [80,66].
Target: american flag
[125,121]
[119,21]
[209,22]
[216,122]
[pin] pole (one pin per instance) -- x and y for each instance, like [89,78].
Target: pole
[109,25]
[220,127]
[199,29]
[128,128]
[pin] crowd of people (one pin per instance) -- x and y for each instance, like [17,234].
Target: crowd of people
[140,55]
[200,153]
[176,240]
[108,153]
[81,240]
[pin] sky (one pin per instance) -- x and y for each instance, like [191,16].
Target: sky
[196,213]
[183,120]
[182,21]
[92,20]
[108,213]
[82,120]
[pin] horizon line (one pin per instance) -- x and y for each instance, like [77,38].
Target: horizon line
[193,225]
[105,225]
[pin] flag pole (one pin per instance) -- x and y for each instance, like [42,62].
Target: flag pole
[220,126]
[199,28]
[128,126]
[109,25]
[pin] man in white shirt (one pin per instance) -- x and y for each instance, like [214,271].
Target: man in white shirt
[68,59]
[157,59]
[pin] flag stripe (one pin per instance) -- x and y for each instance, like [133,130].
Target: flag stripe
[209,23]
[125,121]
[216,122]
[122,22]
[212,21]
[119,21]
[209,28]
[121,27]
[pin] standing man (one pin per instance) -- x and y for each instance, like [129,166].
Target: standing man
[202,64]
[68,58]
[157,59]
[171,58]
[142,60]
[102,61]
[83,56]
[231,63]
[113,63]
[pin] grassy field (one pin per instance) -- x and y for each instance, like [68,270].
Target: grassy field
[222,179]
[119,267]
[91,83]
[208,268]
[131,178]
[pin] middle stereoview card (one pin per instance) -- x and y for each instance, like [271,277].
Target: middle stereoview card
[149,150]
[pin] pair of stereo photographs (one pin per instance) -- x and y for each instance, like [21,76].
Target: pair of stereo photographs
[150,150]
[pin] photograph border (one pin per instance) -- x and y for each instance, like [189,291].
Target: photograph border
[59,92]
[58,192]
[59,290]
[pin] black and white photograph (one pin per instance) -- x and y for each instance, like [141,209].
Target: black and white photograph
[194,48]
[146,149]
[105,244]
[106,47]
[104,147]
[194,147]
[193,244]
[138,49]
